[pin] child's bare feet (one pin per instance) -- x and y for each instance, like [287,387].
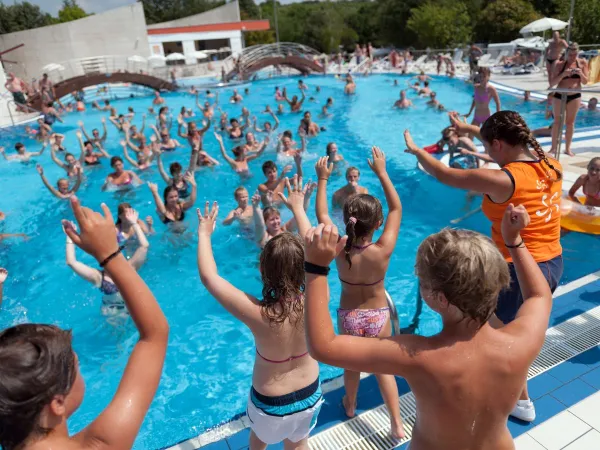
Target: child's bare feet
[397,430]
[350,409]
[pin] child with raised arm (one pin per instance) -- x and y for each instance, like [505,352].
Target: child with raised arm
[267,222]
[242,158]
[362,268]
[96,138]
[244,211]
[273,185]
[71,165]
[177,178]
[171,208]
[285,397]
[467,378]
[41,384]
[63,190]
[89,157]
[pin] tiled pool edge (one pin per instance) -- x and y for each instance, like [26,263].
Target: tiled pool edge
[563,310]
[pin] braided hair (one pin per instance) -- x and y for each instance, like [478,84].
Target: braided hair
[362,215]
[510,127]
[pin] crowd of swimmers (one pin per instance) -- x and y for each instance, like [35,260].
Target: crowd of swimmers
[494,295]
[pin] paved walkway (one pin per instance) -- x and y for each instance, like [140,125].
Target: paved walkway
[536,82]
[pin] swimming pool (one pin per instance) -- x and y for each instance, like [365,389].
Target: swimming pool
[210,356]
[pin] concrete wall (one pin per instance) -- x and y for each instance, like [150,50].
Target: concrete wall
[188,39]
[120,31]
[230,12]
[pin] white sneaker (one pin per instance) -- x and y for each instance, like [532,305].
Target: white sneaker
[524,410]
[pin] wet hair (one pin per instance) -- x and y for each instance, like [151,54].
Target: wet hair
[167,191]
[269,211]
[282,273]
[164,108]
[238,150]
[106,102]
[510,127]
[175,168]
[239,191]
[121,210]
[425,83]
[328,148]
[268,165]
[69,154]
[287,133]
[37,363]
[350,169]
[467,268]
[231,121]
[593,161]
[50,104]
[19,146]
[130,109]
[183,110]
[86,143]
[366,213]
[114,160]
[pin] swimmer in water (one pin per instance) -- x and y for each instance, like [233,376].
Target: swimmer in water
[71,165]
[22,154]
[295,104]
[144,160]
[88,156]
[157,100]
[106,106]
[243,212]
[240,163]
[252,145]
[192,134]
[434,102]
[287,146]
[269,190]
[167,144]
[302,86]
[589,183]
[403,102]
[280,109]
[177,178]
[333,155]
[341,196]
[362,268]
[307,126]
[63,191]
[43,132]
[164,120]
[267,127]
[125,230]
[185,113]
[267,222]
[350,87]
[96,138]
[171,209]
[56,142]
[112,301]
[118,121]
[415,87]
[422,77]
[132,132]
[235,131]
[425,91]
[236,97]
[278,95]
[120,177]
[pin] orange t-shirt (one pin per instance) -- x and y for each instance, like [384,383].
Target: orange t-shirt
[534,189]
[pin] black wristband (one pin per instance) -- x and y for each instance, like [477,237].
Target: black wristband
[315,270]
[108,259]
[520,244]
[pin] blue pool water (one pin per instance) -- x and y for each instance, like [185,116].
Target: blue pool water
[210,356]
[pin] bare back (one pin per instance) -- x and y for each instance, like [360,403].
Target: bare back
[467,410]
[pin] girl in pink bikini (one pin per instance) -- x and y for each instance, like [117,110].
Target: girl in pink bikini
[481,99]
[364,309]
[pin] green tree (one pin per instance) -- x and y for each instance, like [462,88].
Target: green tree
[248,9]
[22,16]
[392,18]
[71,11]
[440,25]
[501,20]
[157,11]
[586,19]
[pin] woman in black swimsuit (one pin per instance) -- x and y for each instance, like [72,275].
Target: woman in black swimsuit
[88,156]
[171,208]
[569,74]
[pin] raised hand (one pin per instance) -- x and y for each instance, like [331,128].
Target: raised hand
[321,244]
[323,169]
[218,137]
[39,169]
[97,232]
[78,134]
[207,222]
[256,199]
[153,139]
[131,215]
[377,164]
[295,197]
[104,120]
[286,169]
[153,187]
[3,275]
[310,187]
[80,124]
[123,143]
[411,147]
[189,177]
[515,219]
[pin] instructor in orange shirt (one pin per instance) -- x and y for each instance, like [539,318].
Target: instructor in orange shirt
[527,177]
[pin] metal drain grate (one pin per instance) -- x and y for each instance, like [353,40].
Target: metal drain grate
[370,430]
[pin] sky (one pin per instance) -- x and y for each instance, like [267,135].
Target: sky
[96,6]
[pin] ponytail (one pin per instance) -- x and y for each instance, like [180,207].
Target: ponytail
[532,141]
[350,232]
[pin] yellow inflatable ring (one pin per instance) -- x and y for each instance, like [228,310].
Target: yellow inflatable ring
[580,218]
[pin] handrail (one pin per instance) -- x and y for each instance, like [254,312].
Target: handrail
[393,315]
[360,66]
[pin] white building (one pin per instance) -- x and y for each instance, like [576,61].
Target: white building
[218,31]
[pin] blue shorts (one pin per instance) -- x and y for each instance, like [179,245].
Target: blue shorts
[511,299]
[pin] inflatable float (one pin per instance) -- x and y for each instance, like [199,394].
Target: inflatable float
[579,218]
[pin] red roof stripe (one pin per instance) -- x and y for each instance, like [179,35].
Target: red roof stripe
[245,25]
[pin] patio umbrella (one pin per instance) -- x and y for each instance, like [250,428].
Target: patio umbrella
[137,58]
[225,49]
[52,66]
[156,58]
[200,55]
[543,25]
[534,42]
[175,57]
[210,52]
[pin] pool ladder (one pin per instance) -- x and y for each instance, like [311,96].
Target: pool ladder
[396,330]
